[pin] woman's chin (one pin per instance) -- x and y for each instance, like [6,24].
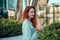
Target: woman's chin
[32,16]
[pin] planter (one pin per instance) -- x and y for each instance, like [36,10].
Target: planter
[10,28]
[51,32]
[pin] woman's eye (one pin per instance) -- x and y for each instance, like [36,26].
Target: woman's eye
[31,12]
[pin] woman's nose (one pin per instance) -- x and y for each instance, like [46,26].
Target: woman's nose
[33,13]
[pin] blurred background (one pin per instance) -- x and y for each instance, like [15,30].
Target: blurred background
[11,12]
[46,9]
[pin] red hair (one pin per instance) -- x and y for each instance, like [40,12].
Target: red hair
[24,16]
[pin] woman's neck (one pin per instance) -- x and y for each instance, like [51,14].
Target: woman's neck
[29,19]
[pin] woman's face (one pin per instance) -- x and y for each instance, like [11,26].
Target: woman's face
[31,13]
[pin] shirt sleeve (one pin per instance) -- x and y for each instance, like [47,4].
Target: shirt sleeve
[35,35]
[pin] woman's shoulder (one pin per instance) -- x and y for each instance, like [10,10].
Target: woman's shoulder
[25,24]
[25,21]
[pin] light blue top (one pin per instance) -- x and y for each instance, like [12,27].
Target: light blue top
[29,32]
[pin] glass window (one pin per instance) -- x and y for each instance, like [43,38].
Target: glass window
[12,4]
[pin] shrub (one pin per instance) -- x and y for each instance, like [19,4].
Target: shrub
[10,28]
[51,32]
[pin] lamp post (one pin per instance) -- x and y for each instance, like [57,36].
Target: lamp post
[53,12]
[55,5]
[47,11]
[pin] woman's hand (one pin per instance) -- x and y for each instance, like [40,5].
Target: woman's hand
[39,28]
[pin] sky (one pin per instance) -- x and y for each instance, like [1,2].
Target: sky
[53,1]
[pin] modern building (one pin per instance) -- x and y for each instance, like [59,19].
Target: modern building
[3,8]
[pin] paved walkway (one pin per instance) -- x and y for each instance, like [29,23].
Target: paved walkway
[13,38]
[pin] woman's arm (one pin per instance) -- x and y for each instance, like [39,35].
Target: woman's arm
[26,31]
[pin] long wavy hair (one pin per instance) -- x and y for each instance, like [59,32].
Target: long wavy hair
[25,16]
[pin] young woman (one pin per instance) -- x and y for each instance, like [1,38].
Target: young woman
[29,28]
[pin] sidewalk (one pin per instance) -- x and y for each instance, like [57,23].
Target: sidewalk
[13,38]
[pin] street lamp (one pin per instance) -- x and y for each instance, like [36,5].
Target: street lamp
[47,11]
[53,12]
